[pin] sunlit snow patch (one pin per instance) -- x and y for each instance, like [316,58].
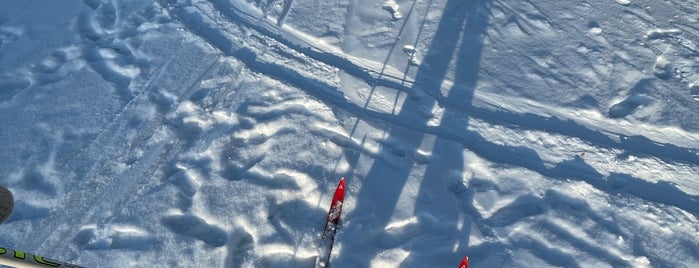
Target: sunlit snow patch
[392,6]
[662,33]
[662,68]
[412,56]
[408,49]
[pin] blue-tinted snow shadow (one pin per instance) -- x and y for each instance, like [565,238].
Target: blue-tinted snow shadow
[443,175]
[441,196]
[196,228]
[25,211]
[459,35]
[657,192]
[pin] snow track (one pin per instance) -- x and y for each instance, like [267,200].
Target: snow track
[209,133]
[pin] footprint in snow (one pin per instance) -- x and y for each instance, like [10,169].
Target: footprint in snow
[24,211]
[10,85]
[522,207]
[113,237]
[10,34]
[186,181]
[240,248]
[195,227]
[628,106]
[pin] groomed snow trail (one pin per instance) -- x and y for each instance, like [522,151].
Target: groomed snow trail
[211,133]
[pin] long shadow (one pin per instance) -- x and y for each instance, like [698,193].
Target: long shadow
[449,161]
[460,30]
[458,36]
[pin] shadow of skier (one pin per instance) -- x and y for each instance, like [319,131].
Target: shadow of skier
[459,36]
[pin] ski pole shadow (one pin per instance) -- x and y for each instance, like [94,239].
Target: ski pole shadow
[436,212]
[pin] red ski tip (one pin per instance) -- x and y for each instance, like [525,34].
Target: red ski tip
[340,192]
[336,204]
[335,208]
[331,225]
[464,262]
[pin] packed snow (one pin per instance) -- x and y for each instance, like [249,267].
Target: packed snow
[212,133]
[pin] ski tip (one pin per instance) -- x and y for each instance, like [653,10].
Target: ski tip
[340,191]
[464,262]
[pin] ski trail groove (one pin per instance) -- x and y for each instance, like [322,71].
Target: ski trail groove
[291,40]
[569,127]
[515,156]
[157,155]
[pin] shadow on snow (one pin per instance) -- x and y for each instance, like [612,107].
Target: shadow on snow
[459,35]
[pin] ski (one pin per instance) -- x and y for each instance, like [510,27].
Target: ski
[19,259]
[332,223]
[464,263]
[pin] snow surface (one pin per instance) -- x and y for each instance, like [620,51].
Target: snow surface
[212,133]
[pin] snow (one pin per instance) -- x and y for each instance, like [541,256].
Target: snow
[212,133]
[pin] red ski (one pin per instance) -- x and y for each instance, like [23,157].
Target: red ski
[331,226]
[464,263]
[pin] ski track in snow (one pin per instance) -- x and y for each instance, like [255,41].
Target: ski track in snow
[211,133]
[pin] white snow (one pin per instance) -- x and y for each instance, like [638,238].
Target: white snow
[212,133]
[392,7]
